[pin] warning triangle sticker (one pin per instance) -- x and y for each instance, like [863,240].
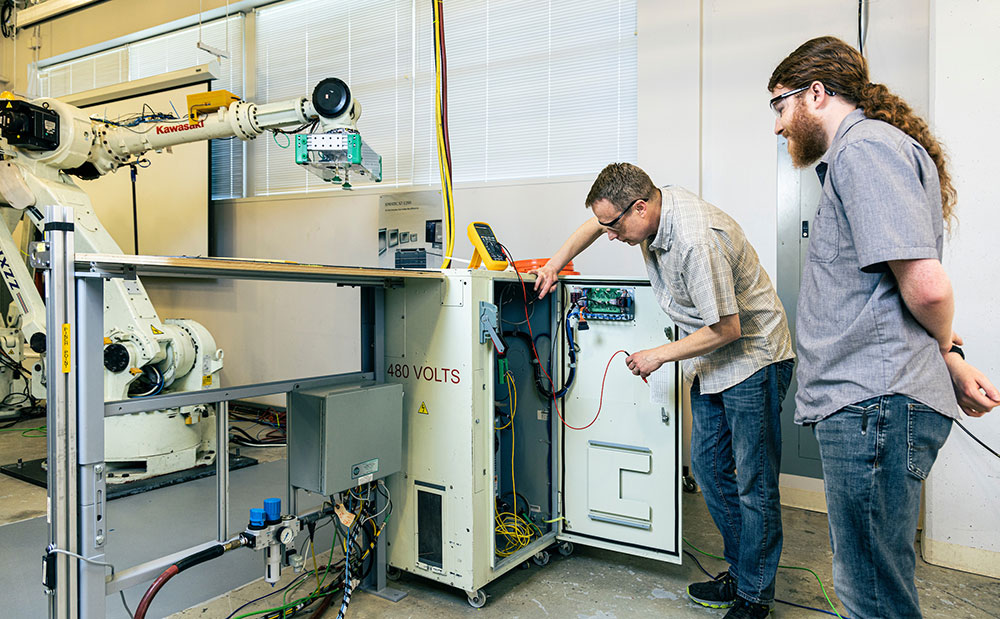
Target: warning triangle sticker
[423,409]
[155,330]
[9,105]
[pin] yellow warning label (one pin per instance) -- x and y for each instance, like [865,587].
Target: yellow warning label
[206,381]
[155,330]
[9,105]
[423,409]
[66,350]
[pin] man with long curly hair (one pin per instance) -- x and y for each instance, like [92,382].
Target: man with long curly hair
[881,376]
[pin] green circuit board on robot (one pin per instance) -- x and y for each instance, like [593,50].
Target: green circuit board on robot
[604,303]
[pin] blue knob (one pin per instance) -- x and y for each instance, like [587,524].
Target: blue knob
[257,517]
[272,507]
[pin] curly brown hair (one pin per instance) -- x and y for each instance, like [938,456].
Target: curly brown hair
[843,69]
[620,184]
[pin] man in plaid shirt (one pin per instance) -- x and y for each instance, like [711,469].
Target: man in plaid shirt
[737,353]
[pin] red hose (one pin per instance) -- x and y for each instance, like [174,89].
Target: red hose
[147,598]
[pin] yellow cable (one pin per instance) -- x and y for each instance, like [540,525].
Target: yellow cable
[513,527]
[319,583]
[512,387]
[446,184]
[513,479]
[512,398]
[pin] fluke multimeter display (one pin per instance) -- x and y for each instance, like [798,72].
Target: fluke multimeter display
[487,248]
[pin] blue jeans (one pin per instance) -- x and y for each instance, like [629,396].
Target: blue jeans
[875,455]
[736,457]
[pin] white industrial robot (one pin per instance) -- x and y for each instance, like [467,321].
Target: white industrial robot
[45,143]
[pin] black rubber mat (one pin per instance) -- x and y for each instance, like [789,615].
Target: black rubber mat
[32,472]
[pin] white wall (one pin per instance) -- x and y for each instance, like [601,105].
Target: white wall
[963,501]
[744,42]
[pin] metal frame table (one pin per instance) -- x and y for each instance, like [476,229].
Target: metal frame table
[76,408]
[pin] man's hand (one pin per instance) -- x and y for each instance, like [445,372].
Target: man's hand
[548,277]
[975,393]
[645,362]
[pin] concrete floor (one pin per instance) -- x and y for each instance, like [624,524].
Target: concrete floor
[596,584]
[590,584]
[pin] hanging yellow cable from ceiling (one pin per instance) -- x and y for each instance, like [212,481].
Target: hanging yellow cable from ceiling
[444,164]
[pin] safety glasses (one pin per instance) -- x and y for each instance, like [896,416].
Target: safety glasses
[611,224]
[777,103]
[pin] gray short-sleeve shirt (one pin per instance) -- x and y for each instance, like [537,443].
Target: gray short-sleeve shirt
[881,201]
[701,268]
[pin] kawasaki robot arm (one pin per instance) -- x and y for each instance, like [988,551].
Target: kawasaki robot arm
[46,142]
[59,136]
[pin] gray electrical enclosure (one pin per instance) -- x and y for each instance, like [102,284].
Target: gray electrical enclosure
[343,436]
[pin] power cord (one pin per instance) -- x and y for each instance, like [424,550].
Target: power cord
[6,19]
[91,561]
[787,567]
[976,438]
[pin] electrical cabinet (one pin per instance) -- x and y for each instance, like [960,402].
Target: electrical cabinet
[344,435]
[493,474]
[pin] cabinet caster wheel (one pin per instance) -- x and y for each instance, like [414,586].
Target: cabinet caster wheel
[526,565]
[688,484]
[477,599]
[541,558]
[392,573]
[566,549]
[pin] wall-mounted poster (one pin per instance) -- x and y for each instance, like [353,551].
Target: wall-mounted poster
[410,230]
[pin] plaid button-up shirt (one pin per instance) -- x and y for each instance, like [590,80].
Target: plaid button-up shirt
[702,268]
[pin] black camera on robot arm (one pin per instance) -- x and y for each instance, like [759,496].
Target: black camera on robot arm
[29,126]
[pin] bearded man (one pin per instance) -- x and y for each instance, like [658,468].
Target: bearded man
[879,365]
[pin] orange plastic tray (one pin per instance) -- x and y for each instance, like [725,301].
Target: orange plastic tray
[535,263]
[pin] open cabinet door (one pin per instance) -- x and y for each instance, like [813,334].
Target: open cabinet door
[619,478]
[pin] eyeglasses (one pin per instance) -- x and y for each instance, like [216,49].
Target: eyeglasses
[778,109]
[611,224]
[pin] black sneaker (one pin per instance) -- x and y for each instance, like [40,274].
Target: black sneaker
[743,609]
[717,593]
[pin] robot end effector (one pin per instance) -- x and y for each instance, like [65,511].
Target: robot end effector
[58,135]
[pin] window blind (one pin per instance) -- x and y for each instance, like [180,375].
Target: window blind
[370,44]
[536,89]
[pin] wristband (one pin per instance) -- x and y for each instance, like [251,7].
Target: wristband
[958,350]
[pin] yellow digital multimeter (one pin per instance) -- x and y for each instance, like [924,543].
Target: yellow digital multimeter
[487,248]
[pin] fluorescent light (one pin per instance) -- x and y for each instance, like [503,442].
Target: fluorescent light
[47,10]
[164,81]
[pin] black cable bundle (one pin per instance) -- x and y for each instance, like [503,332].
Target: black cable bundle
[7,19]
[29,408]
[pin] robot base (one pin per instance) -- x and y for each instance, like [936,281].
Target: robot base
[144,445]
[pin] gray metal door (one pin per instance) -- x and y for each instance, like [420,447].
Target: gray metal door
[798,196]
